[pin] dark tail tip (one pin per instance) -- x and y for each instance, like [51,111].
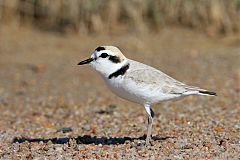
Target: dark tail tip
[208,93]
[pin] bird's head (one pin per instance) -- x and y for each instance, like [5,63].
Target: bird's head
[106,60]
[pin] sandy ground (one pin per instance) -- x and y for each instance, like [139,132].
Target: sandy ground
[51,108]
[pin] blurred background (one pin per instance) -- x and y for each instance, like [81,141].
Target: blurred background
[111,16]
[42,89]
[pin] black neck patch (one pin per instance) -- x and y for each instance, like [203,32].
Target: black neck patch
[100,49]
[119,72]
[114,59]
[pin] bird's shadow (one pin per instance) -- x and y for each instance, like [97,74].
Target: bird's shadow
[86,139]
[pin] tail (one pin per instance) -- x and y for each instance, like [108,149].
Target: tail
[191,90]
[206,92]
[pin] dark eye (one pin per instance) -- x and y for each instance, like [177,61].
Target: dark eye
[104,55]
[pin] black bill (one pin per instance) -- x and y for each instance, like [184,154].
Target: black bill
[85,61]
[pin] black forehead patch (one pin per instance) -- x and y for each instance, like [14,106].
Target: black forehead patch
[99,49]
[114,59]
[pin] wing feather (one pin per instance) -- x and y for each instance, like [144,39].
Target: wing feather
[156,80]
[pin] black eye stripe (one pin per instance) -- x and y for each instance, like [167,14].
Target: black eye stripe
[114,59]
[104,55]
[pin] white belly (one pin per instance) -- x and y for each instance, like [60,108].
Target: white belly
[134,93]
[115,85]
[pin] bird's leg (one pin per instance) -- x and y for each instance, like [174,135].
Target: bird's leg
[149,130]
[150,114]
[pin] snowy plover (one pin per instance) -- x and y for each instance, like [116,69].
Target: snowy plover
[138,82]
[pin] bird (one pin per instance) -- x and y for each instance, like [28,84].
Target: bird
[138,82]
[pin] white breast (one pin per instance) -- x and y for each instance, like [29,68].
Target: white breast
[117,86]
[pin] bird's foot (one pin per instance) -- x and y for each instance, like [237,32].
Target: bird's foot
[148,143]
